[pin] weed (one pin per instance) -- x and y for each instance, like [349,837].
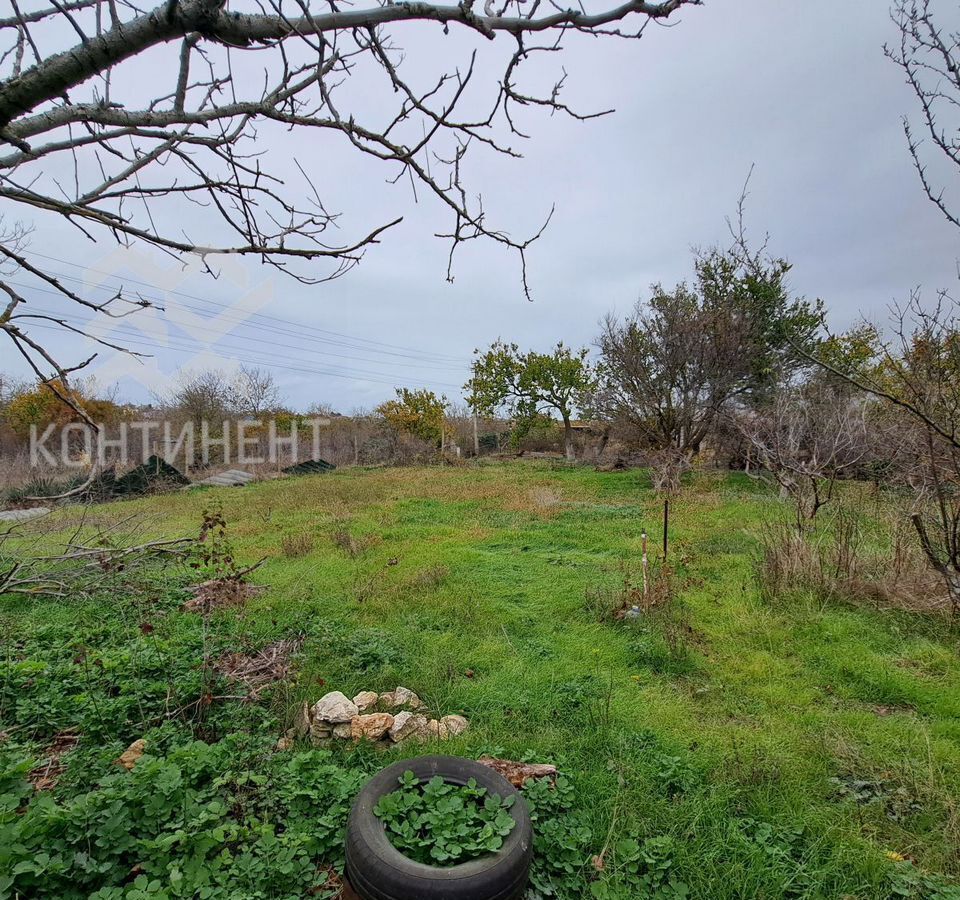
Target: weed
[294,545]
[344,539]
[213,555]
[429,578]
[907,881]
[896,801]
[362,650]
[444,824]
[673,774]
[366,585]
[642,753]
[604,603]
[562,837]
[645,869]
[609,603]
[846,560]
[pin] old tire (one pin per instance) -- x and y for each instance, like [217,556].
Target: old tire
[378,871]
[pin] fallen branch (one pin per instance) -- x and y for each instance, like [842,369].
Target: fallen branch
[518,773]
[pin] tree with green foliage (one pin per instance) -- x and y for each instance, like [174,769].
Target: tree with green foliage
[530,385]
[752,286]
[669,367]
[420,413]
[672,366]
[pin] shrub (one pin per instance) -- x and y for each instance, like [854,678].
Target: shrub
[667,468]
[848,559]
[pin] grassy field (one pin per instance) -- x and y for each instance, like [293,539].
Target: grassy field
[718,746]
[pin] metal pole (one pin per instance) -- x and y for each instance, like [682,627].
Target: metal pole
[666,525]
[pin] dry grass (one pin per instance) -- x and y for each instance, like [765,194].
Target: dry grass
[45,776]
[294,545]
[343,538]
[429,578]
[260,669]
[845,562]
[607,603]
[543,501]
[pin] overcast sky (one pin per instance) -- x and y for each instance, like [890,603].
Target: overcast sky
[800,90]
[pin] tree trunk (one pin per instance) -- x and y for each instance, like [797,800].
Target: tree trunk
[604,439]
[568,439]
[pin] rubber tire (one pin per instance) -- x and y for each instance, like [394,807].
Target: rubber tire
[378,871]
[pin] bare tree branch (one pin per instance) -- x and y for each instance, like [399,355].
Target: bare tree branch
[232,81]
[929,57]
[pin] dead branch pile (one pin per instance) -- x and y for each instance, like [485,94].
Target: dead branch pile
[222,593]
[260,669]
[45,776]
[81,562]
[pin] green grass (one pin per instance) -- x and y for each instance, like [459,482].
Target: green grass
[701,742]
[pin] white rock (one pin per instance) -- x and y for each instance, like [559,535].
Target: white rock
[372,727]
[409,725]
[320,734]
[343,730]
[302,720]
[334,708]
[456,725]
[405,697]
[401,697]
[437,730]
[365,699]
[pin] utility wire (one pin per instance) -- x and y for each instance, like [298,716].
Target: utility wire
[123,279]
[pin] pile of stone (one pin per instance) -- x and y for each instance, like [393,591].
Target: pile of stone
[396,716]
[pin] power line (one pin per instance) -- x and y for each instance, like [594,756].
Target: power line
[191,345]
[438,356]
[235,319]
[126,335]
[271,364]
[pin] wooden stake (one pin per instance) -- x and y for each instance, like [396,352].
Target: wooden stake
[643,539]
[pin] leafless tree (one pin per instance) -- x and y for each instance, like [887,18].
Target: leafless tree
[10,388]
[929,55]
[93,138]
[200,396]
[916,372]
[255,392]
[807,438]
[934,474]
